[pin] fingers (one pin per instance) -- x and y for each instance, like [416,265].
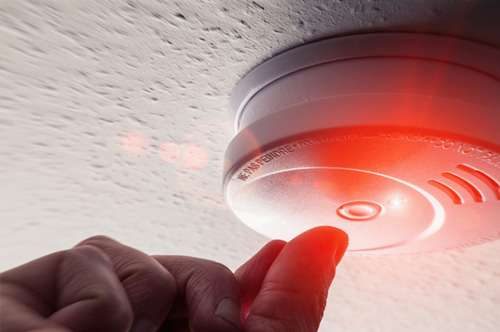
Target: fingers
[102,285]
[150,288]
[91,296]
[294,291]
[251,274]
[74,290]
[209,291]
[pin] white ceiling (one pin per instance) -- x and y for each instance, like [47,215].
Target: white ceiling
[114,119]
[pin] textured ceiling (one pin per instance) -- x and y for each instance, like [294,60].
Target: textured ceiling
[113,120]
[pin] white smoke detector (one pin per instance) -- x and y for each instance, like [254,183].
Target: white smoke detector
[392,137]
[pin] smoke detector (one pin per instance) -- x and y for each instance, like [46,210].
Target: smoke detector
[392,137]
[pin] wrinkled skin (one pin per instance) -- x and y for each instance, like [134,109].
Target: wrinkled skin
[102,285]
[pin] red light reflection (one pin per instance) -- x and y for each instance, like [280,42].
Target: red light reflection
[188,156]
[194,157]
[134,143]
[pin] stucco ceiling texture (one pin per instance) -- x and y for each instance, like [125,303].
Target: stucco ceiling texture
[114,118]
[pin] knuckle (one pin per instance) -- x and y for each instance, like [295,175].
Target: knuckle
[220,270]
[96,240]
[150,288]
[212,280]
[154,282]
[87,272]
[211,274]
[87,252]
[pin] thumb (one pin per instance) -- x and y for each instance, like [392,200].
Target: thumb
[252,273]
[294,291]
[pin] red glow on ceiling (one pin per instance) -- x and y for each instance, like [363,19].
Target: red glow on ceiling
[194,157]
[186,155]
[134,143]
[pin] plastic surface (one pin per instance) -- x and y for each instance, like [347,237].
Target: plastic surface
[432,48]
[402,152]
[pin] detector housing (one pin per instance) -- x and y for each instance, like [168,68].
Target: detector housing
[392,137]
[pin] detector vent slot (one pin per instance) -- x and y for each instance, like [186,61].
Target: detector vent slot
[484,177]
[477,196]
[448,191]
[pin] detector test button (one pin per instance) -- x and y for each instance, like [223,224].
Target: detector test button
[359,210]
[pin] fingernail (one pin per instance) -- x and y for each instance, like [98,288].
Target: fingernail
[229,311]
[144,326]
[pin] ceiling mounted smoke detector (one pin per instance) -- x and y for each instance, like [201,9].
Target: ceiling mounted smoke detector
[394,138]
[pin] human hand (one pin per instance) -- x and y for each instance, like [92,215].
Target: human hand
[102,285]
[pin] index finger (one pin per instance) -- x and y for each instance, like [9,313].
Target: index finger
[294,291]
[150,288]
[73,290]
